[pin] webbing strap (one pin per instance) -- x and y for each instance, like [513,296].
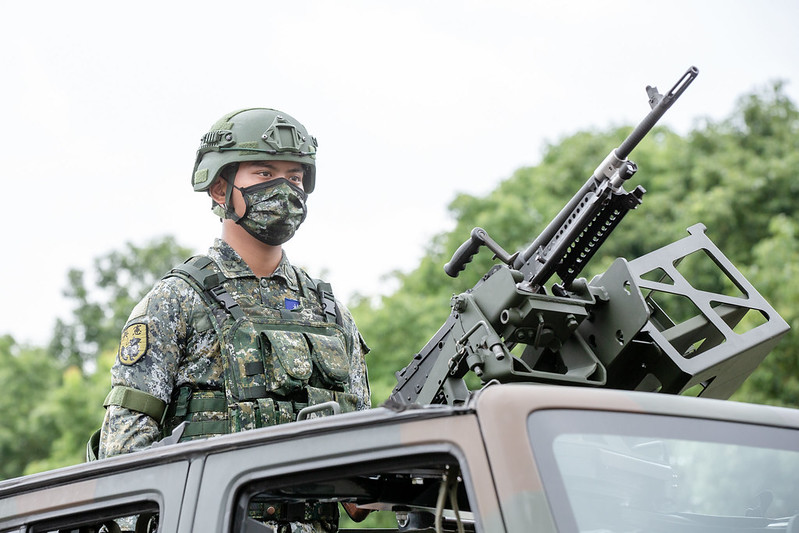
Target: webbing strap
[254,392]
[193,267]
[223,297]
[206,428]
[185,402]
[201,405]
[325,291]
[181,403]
[136,400]
[210,283]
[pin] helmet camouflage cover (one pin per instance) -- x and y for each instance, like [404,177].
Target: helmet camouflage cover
[255,134]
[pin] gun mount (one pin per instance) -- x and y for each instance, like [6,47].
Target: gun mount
[644,324]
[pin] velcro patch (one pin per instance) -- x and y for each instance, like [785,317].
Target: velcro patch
[133,345]
[140,309]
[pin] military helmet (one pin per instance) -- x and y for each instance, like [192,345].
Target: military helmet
[255,134]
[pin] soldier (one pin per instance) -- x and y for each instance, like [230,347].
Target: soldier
[239,338]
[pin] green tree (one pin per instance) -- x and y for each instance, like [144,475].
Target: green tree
[70,413]
[774,272]
[52,399]
[27,377]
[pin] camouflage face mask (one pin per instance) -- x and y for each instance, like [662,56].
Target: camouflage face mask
[274,211]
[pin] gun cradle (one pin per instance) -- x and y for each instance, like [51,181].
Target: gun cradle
[507,333]
[695,337]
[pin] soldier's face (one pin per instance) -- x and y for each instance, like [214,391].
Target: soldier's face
[254,172]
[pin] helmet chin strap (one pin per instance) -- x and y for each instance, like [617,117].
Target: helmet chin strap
[229,175]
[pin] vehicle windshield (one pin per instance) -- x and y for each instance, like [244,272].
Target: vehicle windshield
[626,472]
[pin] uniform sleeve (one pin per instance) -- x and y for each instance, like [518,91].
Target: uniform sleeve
[152,346]
[359,378]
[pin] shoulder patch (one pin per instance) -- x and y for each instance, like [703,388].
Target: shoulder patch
[133,345]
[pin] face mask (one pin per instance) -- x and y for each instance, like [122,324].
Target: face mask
[274,211]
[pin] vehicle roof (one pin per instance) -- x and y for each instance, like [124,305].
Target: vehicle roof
[524,398]
[501,410]
[196,448]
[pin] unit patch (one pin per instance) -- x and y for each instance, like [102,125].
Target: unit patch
[133,345]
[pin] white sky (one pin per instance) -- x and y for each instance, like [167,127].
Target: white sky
[412,102]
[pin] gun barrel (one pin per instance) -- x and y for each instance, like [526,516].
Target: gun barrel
[615,159]
[652,118]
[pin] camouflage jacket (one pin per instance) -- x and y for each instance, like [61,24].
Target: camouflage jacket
[170,342]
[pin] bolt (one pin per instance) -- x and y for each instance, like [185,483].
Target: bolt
[571,322]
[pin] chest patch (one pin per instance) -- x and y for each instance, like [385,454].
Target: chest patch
[133,345]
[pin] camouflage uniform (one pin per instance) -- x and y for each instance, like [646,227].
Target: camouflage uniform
[170,342]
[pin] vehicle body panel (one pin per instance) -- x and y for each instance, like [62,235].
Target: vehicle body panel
[196,484]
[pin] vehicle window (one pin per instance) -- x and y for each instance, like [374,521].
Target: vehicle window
[137,518]
[414,492]
[622,472]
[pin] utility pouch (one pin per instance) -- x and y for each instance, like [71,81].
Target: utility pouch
[244,372]
[260,413]
[205,411]
[317,396]
[264,359]
[285,412]
[274,412]
[243,417]
[275,368]
[330,356]
[287,360]
[346,401]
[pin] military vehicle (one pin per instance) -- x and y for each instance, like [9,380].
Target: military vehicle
[514,458]
[583,418]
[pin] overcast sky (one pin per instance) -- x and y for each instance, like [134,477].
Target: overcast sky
[412,102]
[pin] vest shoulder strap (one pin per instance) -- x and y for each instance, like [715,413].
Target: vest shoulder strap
[208,282]
[324,291]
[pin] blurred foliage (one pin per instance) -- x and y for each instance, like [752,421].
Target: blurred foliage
[27,378]
[737,176]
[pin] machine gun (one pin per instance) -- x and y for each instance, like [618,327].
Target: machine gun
[614,331]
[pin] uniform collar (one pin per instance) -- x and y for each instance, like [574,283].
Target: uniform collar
[233,266]
[285,271]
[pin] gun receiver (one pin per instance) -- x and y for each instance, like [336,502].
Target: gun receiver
[605,333]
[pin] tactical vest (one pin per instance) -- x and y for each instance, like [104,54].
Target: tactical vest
[276,362]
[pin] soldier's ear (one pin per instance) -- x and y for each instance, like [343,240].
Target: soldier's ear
[217,190]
